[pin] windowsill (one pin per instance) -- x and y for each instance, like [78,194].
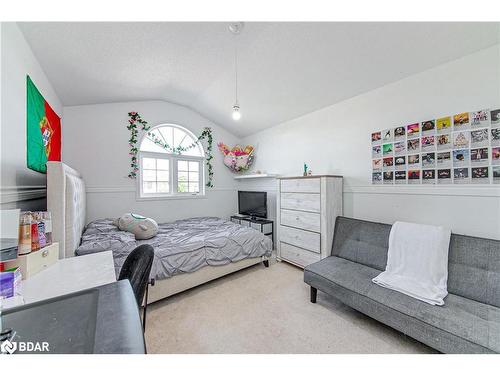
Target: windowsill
[170,197]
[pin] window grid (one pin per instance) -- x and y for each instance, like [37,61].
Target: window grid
[188,176]
[155,175]
[164,174]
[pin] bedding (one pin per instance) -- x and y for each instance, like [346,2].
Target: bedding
[180,247]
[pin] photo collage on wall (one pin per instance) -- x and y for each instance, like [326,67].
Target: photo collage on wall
[459,149]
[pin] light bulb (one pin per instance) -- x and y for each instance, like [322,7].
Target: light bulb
[236,112]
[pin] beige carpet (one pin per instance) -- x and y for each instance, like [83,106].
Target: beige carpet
[266,310]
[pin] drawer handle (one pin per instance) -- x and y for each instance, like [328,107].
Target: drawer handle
[297,218]
[45,253]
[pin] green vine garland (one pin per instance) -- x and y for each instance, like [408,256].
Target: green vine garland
[135,118]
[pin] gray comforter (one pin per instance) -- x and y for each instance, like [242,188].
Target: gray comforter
[181,246]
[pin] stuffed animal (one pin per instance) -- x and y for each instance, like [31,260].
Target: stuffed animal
[142,227]
[237,159]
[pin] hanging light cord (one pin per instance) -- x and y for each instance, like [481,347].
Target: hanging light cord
[236,70]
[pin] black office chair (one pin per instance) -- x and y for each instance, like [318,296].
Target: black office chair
[136,269]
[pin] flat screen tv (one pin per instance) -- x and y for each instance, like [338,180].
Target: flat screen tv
[252,203]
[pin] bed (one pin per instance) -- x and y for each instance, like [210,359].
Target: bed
[188,252]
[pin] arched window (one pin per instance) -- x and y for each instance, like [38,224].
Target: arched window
[170,163]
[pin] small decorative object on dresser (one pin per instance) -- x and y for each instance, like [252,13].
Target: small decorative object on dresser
[306,212]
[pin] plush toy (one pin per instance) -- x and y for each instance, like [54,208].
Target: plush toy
[142,227]
[237,159]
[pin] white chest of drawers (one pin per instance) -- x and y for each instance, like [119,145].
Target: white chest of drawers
[306,212]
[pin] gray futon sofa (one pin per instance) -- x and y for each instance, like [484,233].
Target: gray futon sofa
[469,321]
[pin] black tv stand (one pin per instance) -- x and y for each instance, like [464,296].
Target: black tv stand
[265,226]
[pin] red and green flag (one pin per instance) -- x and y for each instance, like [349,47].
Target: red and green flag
[43,130]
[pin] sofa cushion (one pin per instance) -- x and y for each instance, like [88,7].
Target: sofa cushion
[471,320]
[361,241]
[474,268]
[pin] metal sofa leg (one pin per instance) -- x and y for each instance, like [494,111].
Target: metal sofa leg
[314,294]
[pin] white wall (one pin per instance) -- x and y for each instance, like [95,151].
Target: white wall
[19,183]
[96,144]
[336,140]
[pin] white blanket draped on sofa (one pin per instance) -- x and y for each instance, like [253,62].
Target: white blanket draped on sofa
[417,262]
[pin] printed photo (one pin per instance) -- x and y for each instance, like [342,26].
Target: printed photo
[443,141]
[428,159]
[428,142]
[414,176]
[388,177]
[429,176]
[496,175]
[480,175]
[413,159]
[495,117]
[444,176]
[479,137]
[443,125]
[377,177]
[387,149]
[428,127]
[387,135]
[377,163]
[443,158]
[479,118]
[461,175]
[413,145]
[461,121]
[461,157]
[479,155]
[400,148]
[388,163]
[400,177]
[399,132]
[400,162]
[412,130]
[376,151]
[376,137]
[461,139]
[495,155]
[495,136]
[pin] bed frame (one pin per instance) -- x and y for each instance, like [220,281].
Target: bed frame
[66,200]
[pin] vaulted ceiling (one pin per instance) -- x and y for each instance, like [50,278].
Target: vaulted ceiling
[285,69]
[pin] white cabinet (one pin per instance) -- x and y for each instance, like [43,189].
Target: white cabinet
[36,261]
[306,212]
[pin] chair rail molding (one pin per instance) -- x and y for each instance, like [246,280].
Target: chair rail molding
[449,190]
[11,194]
[132,189]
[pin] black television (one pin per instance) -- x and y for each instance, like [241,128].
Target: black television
[252,203]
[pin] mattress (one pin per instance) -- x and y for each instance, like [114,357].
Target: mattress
[180,247]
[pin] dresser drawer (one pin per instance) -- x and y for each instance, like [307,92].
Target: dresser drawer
[297,255]
[301,201]
[301,238]
[305,185]
[301,219]
[36,261]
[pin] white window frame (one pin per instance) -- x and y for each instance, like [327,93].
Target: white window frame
[173,172]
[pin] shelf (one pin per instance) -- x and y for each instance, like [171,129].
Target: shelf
[257,175]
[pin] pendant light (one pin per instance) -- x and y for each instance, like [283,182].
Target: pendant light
[235,28]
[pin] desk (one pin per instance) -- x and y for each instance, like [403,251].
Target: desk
[67,276]
[98,320]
